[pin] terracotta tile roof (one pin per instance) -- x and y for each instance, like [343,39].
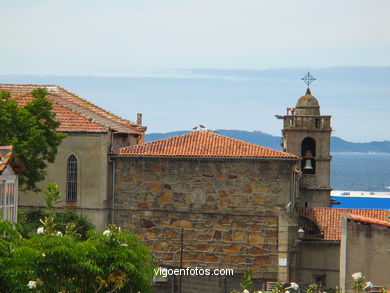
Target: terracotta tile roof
[74,112]
[329,222]
[5,156]
[202,144]
[369,220]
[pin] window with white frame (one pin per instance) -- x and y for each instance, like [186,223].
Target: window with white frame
[8,198]
[71,179]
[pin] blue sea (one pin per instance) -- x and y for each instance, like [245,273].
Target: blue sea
[361,172]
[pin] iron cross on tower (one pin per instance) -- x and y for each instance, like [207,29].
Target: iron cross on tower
[308,79]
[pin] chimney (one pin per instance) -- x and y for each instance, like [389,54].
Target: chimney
[139,118]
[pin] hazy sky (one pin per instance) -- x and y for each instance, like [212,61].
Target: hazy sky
[162,37]
[123,37]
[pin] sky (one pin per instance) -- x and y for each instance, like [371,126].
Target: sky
[155,38]
[120,37]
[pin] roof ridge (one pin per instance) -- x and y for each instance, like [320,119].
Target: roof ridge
[68,104]
[29,84]
[339,209]
[77,121]
[100,108]
[250,143]
[368,220]
[53,101]
[202,143]
[83,104]
[212,133]
[79,113]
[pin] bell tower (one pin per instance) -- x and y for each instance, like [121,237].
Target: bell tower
[306,133]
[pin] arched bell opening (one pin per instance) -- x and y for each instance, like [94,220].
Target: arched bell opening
[308,153]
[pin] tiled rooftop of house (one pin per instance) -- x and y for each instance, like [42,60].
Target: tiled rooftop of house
[370,221]
[5,156]
[200,144]
[328,220]
[74,113]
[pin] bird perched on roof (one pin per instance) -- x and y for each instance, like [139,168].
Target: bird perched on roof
[199,127]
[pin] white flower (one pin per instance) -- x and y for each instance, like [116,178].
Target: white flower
[258,292]
[245,291]
[59,233]
[32,285]
[357,276]
[123,244]
[107,233]
[286,291]
[40,230]
[294,286]
[43,254]
[368,285]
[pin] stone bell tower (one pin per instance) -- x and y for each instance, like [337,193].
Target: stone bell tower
[306,133]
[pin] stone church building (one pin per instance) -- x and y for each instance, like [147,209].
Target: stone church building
[226,194]
[235,201]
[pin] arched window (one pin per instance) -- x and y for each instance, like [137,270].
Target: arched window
[71,179]
[308,152]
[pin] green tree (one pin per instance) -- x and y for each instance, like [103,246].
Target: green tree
[31,129]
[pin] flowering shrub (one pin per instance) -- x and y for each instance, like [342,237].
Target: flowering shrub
[359,283]
[51,263]
[62,261]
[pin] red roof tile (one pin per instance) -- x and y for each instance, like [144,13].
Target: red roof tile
[74,113]
[5,156]
[202,144]
[329,222]
[369,220]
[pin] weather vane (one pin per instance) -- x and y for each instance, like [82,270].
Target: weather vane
[308,79]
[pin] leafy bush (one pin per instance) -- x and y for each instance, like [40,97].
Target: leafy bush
[112,261]
[29,222]
[59,256]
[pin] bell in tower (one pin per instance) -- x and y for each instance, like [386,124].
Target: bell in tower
[306,133]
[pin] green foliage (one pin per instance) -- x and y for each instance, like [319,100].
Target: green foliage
[112,261]
[65,222]
[59,256]
[28,223]
[31,130]
[280,288]
[313,288]
[358,284]
[248,283]
[53,195]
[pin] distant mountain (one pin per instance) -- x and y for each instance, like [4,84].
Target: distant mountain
[237,99]
[338,145]
[342,146]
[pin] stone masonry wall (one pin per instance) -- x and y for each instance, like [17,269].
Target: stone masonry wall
[228,209]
